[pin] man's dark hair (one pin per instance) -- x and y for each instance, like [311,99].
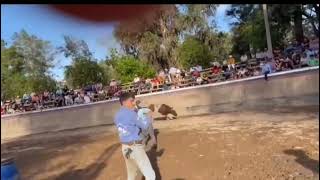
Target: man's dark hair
[125,96]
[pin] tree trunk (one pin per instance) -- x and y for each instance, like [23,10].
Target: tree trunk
[297,19]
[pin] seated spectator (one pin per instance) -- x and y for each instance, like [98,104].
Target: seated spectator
[304,60]
[86,98]
[3,112]
[35,100]
[225,71]
[256,71]
[199,80]
[113,83]
[310,52]
[276,52]
[278,65]
[216,70]
[198,68]
[183,74]
[68,99]
[287,64]
[148,84]
[18,103]
[178,73]
[59,101]
[79,99]
[45,97]
[195,75]
[155,83]
[205,79]
[313,61]
[296,59]
[314,44]
[305,43]
[266,69]
[26,98]
[242,73]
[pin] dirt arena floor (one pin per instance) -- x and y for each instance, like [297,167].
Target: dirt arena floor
[277,144]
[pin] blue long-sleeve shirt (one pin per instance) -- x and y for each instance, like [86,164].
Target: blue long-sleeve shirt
[128,125]
[266,68]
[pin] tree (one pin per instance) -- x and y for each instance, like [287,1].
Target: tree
[75,48]
[127,67]
[192,52]
[25,66]
[84,69]
[84,72]
[38,55]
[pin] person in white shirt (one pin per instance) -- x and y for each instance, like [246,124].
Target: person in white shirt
[136,79]
[199,68]
[113,82]
[304,60]
[244,58]
[86,99]
[199,80]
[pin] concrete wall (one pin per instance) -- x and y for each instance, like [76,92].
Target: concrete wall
[300,88]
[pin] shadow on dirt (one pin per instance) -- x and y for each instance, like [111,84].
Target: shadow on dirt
[153,155]
[304,160]
[93,170]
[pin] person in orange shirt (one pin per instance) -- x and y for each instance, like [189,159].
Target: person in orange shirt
[231,62]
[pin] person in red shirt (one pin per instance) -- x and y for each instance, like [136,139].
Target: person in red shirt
[216,70]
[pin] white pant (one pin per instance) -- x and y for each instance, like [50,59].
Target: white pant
[138,160]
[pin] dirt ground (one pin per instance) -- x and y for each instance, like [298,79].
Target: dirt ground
[236,145]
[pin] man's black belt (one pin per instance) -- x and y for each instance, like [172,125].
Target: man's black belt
[133,142]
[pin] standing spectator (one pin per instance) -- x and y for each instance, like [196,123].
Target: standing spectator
[259,55]
[225,70]
[231,62]
[136,81]
[266,69]
[266,55]
[172,73]
[244,58]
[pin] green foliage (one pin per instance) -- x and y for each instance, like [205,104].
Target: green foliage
[24,68]
[128,66]
[84,72]
[75,48]
[192,52]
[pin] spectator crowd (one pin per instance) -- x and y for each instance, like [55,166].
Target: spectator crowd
[297,55]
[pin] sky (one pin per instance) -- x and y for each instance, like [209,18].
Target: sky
[47,25]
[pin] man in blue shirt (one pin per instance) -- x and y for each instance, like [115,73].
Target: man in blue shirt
[129,129]
[266,69]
